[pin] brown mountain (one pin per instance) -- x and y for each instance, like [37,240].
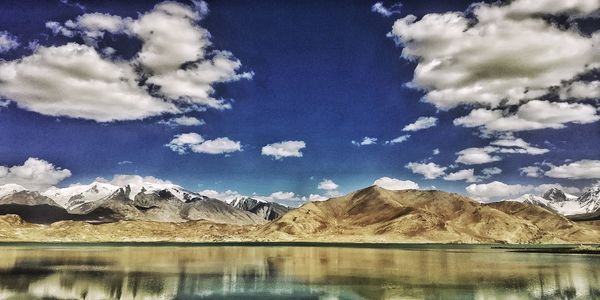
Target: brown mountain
[376,214]
[368,215]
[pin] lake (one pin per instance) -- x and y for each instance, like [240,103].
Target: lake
[238,271]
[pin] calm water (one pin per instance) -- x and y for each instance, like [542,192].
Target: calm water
[236,272]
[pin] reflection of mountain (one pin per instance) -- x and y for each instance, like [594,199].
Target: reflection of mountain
[298,272]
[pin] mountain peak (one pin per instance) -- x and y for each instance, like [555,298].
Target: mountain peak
[555,195]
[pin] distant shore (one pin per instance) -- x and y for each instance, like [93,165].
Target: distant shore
[523,248]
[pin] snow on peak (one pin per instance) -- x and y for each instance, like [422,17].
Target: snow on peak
[10,188]
[80,193]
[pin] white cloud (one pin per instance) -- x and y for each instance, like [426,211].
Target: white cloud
[421,123]
[365,141]
[7,42]
[386,11]
[507,144]
[428,170]
[94,25]
[182,121]
[509,52]
[123,180]
[315,198]
[124,162]
[532,115]
[398,140]
[278,196]
[582,169]
[226,196]
[496,189]
[531,171]
[57,29]
[327,184]
[476,156]
[194,142]
[75,81]
[436,151]
[581,90]
[515,145]
[489,172]
[284,149]
[35,174]
[394,184]
[467,174]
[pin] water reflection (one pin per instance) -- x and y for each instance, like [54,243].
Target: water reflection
[298,272]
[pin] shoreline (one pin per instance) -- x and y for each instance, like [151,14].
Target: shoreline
[523,248]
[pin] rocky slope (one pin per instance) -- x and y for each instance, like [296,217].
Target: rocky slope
[376,214]
[369,215]
[266,210]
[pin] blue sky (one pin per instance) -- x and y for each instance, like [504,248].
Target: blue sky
[322,72]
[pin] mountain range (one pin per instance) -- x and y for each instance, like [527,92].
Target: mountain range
[101,212]
[101,202]
[586,206]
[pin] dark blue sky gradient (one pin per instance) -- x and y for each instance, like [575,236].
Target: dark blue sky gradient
[325,73]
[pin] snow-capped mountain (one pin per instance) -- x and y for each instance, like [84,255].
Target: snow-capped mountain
[266,210]
[590,199]
[565,204]
[78,194]
[10,188]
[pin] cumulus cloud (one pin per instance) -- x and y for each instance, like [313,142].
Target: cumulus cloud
[123,180]
[531,171]
[496,53]
[386,11]
[506,61]
[467,175]
[182,143]
[315,198]
[507,144]
[489,172]
[476,156]
[398,140]
[278,196]
[436,151]
[7,42]
[581,90]
[428,170]
[582,169]
[327,184]
[421,123]
[535,114]
[284,149]
[75,81]
[226,196]
[496,189]
[35,174]
[365,141]
[182,121]
[395,184]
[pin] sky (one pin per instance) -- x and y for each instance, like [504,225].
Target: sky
[297,100]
